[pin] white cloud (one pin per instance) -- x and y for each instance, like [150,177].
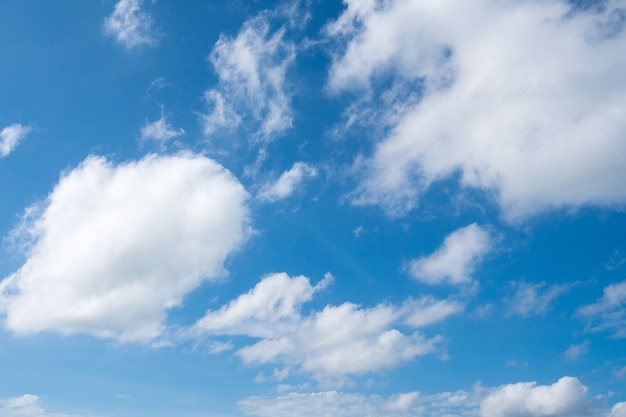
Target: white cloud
[566,397]
[288,182]
[339,404]
[130,24]
[522,99]
[618,410]
[115,246]
[11,136]
[28,405]
[329,344]
[609,311]
[25,406]
[534,299]
[576,351]
[252,85]
[160,131]
[456,259]
[428,310]
[270,308]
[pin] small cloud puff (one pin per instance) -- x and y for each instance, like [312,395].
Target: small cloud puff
[455,261]
[288,182]
[130,25]
[11,136]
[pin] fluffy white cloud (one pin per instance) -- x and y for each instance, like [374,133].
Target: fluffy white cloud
[130,24]
[534,298]
[521,98]
[618,410]
[160,131]
[11,136]
[115,246]
[328,344]
[566,397]
[252,85]
[609,312]
[271,307]
[456,259]
[288,182]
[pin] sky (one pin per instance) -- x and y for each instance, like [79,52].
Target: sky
[306,208]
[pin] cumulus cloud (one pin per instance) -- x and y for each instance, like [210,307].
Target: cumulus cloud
[114,246]
[160,131]
[328,344]
[130,24]
[534,298]
[566,397]
[521,99]
[455,261]
[252,70]
[288,182]
[11,136]
[609,312]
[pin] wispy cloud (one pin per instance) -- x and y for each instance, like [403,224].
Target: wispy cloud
[252,70]
[160,130]
[532,299]
[288,182]
[576,351]
[130,24]
[115,246]
[454,262]
[567,396]
[609,312]
[11,136]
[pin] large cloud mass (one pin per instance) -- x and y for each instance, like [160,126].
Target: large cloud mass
[114,246]
[524,99]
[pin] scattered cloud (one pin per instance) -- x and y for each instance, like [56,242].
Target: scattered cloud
[27,405]
[609,312]
[160,131]
[533,299]
[114,246]
[252,70]
[494,97]
[288,182]
[130,24]
[11,136]
[566,397]
[455,261]
[329,344]
[428,310]
[576,351]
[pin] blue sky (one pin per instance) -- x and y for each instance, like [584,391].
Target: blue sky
[363,208]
